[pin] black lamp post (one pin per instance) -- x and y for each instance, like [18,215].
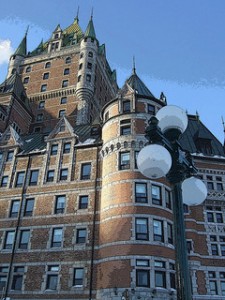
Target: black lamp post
[165,157]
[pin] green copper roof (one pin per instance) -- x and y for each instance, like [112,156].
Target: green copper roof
[136,84]
[90,31]
[74,28]
[22,48]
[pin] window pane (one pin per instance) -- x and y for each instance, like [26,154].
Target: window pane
[86,171]
[78,276]
[52,281]
[60,204]
[17,282]
[20,179]
[158,230]
[81,235]
[24,239]
[142,278]
[160,279]
[14,208]
[124,160]
[142,229]
[156,195]
[141,192]
[34,177]
[83,202]
[29,207]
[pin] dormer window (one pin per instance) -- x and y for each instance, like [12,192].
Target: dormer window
[56,36]
[126,106]
[204,146]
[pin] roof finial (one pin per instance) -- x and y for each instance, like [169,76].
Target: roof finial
[134,69]
[223,124]
[27,30]
[77,16]
[92,11]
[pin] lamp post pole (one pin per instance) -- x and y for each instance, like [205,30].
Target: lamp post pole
[182,167]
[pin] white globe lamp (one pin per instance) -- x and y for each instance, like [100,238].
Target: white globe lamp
[172,118]
[194,191]
[154,161]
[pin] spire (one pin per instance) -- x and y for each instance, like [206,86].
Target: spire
[77,16]
[134,69]
[90,31]
[224,132]
[22,48]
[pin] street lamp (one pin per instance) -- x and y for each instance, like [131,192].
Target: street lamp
[164,156]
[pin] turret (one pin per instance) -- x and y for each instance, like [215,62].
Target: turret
[86,72]
[18,57]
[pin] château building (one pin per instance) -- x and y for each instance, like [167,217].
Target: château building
[77,218]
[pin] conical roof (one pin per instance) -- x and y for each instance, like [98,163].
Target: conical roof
[22,48]
[138,85]
[90,31]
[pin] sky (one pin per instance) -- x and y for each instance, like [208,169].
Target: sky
[178,45]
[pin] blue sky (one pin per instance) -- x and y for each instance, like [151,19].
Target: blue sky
[179,45]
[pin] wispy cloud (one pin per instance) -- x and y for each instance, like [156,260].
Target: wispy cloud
[5,51]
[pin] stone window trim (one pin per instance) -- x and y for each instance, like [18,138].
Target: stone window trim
[83,201]
[85,171]
[18,278]
[60,204]
[47,65]
[20,178]
[52,277]
[29,207]
[46,76]
[24,239]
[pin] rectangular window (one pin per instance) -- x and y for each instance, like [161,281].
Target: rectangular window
[44,88]
[9,239]
[78,277]
[156,195]
[29,206]
[141,229]
[83,202]
[222,248]
[160,279]
[66,148]
[39,117]
[141,192]
[45,76]
[41,104]
[135,159]
[20,179]
[124,160]
[50,176]
[158,231]
[170,233]
[34,177]
[125,127]
[57,237]
[151,109]
[85,171]
[24,239]
[214,249]
[213,287]
[65,83]
[60,204]
[142,263]
[189,246]
[222,283]
[66,71]
[9,155]
[52,278]
[125,130]
[81,235]
[54,149]
[3,279]
[15,205]
[17,280]
[219,186]
[219,218]
[210,185]
[4,181]
[63,174]
[210,217]
[62,113]
[126,106]
[168,199]
[142,278]
[63,100]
